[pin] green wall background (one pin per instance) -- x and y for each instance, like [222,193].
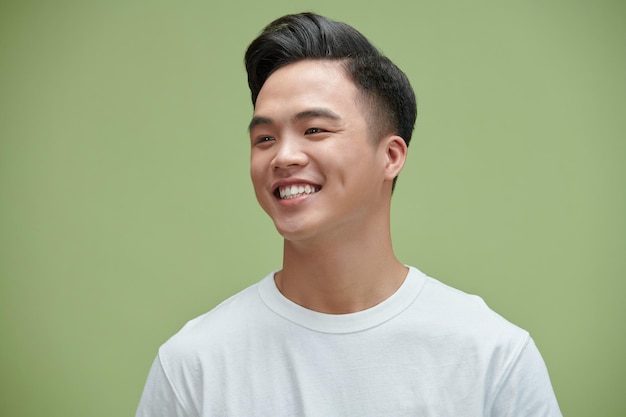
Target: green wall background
[126,207]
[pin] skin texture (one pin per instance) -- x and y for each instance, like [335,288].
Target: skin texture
[309,128]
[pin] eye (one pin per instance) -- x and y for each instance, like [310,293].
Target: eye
[263,139]
[313,130]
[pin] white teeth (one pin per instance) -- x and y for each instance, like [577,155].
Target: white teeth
[296,190]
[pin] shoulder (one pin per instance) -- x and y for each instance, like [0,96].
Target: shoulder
[461,307]
[457,317]
[461,329]
[221,326]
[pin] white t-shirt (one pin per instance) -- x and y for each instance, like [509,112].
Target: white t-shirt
[428,350]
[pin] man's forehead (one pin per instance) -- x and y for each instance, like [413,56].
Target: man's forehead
[305,89]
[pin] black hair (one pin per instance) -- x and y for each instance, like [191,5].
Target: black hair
[389,93]
[296,37]
[301,36]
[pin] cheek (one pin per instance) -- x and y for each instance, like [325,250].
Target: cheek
[258,188]
[258,177]
[256,170]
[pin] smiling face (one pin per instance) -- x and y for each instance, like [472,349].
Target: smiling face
[315,169]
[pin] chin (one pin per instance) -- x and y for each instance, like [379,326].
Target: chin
[293,232]
[290,233]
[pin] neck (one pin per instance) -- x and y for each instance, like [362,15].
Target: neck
[339,275]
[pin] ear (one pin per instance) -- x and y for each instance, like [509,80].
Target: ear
[395,154]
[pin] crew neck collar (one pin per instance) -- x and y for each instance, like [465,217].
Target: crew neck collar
[342,323]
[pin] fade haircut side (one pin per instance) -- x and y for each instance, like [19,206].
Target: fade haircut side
[388,93]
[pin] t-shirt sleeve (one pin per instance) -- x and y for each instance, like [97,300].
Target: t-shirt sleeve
[159,399]
[526,390]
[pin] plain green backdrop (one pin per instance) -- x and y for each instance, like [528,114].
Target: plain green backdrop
[126,208]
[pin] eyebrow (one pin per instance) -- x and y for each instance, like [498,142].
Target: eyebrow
[317,112]
[259,120]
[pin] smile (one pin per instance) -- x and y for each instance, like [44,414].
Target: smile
[292,191]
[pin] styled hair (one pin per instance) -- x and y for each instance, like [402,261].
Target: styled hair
[383,87]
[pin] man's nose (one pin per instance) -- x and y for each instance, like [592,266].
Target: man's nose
[289,153]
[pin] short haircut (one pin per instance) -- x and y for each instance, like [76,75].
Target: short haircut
[384,88]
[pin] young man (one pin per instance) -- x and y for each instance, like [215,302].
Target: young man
[343,328]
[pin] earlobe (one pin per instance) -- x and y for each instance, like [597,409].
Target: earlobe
[396,153]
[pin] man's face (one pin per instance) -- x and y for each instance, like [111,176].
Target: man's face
[315,170]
